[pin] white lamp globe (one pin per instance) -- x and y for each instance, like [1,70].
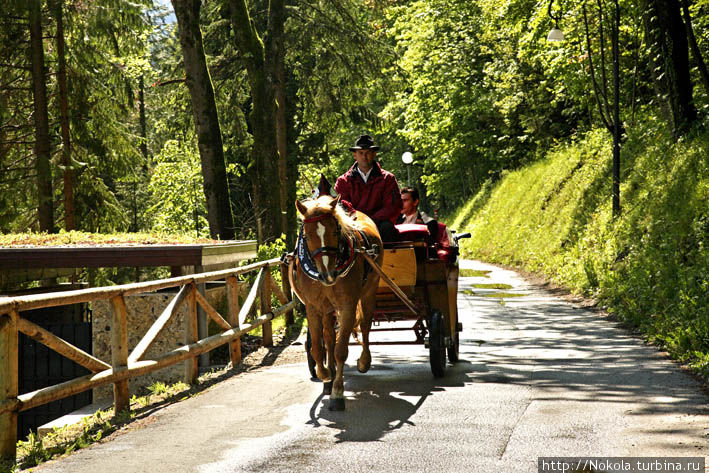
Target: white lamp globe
[555,35]
[407,157]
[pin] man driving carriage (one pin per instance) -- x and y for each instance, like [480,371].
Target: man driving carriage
[370,189]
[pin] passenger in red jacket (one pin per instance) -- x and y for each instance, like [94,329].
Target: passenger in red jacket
[370,189]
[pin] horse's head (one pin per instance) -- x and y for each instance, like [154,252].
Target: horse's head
[322,231]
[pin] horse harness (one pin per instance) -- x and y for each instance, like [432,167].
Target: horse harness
[345,252]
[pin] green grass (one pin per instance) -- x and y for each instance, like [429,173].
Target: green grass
[492,286]
[493,295]
[650,266]
[502,295]
[61,441]
[93,239]
[475,273]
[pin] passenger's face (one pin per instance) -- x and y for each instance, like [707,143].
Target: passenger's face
[409,205]
[364,158]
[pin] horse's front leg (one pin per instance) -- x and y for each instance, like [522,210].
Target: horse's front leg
[315,327]
[367,306]
[328,321]
[346,320]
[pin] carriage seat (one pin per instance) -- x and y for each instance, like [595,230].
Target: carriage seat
[438,244]
[443,244]
[412,231]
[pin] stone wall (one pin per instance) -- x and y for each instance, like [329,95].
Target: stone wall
[143,310]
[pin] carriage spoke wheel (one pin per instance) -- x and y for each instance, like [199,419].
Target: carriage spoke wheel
[437,345]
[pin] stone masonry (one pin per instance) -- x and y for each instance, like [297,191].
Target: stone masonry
[143,310]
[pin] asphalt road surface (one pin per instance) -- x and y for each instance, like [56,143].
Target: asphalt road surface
[538,376]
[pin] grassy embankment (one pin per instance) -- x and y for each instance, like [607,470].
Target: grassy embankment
[650,267]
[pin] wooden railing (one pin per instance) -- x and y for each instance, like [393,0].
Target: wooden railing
[125,365]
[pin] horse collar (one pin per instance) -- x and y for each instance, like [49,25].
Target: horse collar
[307,259]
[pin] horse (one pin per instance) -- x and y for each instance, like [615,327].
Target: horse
[333,280]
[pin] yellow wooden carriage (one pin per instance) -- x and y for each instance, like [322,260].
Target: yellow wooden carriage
[419,284]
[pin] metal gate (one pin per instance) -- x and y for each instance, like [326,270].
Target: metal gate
[40,366]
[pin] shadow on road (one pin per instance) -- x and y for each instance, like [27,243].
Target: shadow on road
[559,348]
[386,397]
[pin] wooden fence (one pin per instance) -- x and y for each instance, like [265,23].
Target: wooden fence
[125,365]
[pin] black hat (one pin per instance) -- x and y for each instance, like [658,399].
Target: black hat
[364,142]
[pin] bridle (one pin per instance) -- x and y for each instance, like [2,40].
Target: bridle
[337,252]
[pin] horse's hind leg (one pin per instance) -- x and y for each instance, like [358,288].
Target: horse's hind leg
[367,305]
[315,327]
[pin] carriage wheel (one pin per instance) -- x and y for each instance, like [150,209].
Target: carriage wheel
[311,360]
[437,345]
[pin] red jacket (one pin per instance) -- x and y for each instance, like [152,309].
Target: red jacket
[379,197]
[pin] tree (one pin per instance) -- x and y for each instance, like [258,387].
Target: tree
[261,57]
[206,120]
[610,114]
[45,204]
[698,58]
[69,214]
[667,37]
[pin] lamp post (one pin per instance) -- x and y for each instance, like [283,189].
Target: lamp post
[616,112]
[408,158]
[555,35]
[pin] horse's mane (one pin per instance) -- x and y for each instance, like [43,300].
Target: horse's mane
[323,205]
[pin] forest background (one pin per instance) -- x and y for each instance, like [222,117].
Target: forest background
[116,116]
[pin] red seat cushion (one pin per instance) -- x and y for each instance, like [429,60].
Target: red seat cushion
[443,241]
[443,254]
[412,231]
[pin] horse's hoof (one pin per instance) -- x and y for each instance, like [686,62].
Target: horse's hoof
[327,387]
[337,404]
[363,369]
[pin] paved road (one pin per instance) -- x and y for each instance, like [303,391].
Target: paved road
[537,377]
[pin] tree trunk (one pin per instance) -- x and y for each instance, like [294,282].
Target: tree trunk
[143,122]
[265,152]
[282,138]
[701,65]
[45,206]
[261,66]
[204,110]
[667,39]
[69,213]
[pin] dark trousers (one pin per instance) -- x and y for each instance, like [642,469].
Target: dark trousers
[386,230]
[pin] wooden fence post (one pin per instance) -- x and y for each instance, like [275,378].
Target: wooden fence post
[232,294]
[119,353]
[191,365]
[8,385]
[265,297]
[285,283]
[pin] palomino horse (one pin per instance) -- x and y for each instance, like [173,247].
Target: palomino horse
[330,276]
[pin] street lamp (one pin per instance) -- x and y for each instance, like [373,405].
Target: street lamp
[408,158]
[555,35]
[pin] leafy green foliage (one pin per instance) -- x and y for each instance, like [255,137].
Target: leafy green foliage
[178,204]
[650,266]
